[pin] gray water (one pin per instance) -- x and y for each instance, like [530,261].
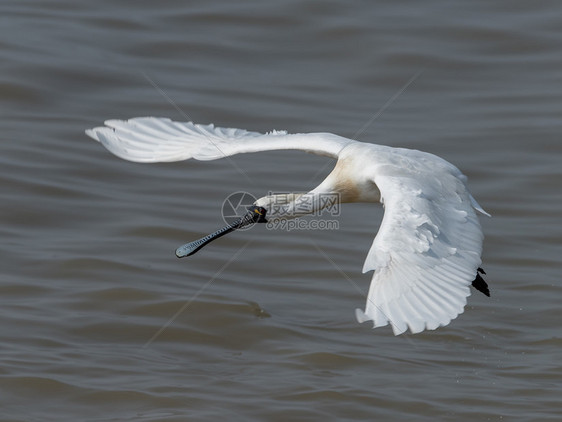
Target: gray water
[101,322]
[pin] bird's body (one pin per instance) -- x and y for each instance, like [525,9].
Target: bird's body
[427,251]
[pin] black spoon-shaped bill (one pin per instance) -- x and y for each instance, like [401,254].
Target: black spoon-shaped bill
[254,215]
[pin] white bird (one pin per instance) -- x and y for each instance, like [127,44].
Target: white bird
[427,251]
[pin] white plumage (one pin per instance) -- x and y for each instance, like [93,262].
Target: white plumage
[427,251]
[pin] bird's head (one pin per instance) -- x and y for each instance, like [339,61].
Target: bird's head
[255,214]
[281,206]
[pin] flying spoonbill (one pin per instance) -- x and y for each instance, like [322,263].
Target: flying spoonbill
[427,251]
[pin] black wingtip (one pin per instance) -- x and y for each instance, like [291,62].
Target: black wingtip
[480,284]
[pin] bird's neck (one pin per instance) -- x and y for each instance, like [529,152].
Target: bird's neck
[348,181]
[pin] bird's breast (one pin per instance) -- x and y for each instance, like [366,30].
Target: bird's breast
[350,181]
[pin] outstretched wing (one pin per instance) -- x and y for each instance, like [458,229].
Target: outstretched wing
[428,247]
[154,139]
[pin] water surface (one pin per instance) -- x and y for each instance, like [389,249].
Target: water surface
[101,322]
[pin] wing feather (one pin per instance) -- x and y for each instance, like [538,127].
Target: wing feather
[428,247]
[153,139]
